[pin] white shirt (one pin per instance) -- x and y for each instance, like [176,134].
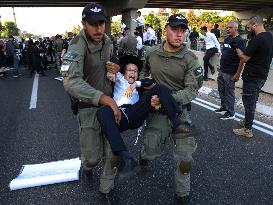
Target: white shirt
[120,87]
[123,26]
[211,41]
[140,21]
[139,43]
[145,36]
[150,34]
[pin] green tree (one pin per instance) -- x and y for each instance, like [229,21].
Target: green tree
[194,20]
[152,20]
[9,28]
[76,29]
[268,23]
[115,27]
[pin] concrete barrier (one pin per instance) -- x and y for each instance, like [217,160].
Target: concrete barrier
[215,60]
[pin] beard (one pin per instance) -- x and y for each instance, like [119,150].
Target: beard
[251,34]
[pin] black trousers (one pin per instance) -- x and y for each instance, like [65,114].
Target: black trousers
[251,90]
[140,29]
[133,116]
[209,53]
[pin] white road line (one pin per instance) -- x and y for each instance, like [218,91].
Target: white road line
[211,106]
[236,114]
[33,99]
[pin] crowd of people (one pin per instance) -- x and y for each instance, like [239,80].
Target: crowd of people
[170,79]
[35,55]
[101,77]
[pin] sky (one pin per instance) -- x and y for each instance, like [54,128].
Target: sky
[45,21]
[49,21]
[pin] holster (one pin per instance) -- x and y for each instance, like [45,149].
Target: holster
[74,104]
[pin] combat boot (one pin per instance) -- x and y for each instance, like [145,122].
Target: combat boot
[182,200]
[244,132]
[129,166]
[143,162]
[86,173]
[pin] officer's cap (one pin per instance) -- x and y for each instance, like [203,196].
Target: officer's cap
[177,20]
[125,60]
[93,13]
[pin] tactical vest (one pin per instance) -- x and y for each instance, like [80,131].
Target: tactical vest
[94,68]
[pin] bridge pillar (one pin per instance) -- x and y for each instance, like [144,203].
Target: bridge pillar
[245,15]
[108,26]
[127,16]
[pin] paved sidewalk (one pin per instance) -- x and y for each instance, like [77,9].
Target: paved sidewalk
[264,105]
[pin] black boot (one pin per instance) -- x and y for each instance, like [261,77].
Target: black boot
[182,200]
[129,166]
[86,174]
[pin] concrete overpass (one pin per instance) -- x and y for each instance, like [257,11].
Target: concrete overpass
[121,5]
[244,8]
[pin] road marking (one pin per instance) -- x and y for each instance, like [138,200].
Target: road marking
[33,99]
[261,126]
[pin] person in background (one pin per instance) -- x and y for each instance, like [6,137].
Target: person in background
[13,55]
[140,24]
[194,35]
[257,58]
[139,45]
[128,44]
[159,34]
[216,31]
[58,47]
[212,47]
[230,70]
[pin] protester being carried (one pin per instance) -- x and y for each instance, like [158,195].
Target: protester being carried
[135,108]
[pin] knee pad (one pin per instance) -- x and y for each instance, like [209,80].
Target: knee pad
[185,167]
[89,164]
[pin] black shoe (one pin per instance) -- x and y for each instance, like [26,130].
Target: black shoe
[108,199]
[143,162]
[212,70]
[186,130]
[86,175]
[221,111]
[129,167]
[182,200]
[228,116]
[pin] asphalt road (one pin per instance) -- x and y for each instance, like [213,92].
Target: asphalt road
[226,170]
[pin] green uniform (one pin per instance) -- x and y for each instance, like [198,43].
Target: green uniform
[181,73]
[127,45]
[58,45]
[85,78]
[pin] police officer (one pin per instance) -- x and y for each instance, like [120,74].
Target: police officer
[128,44]
[84,69]
[172,65]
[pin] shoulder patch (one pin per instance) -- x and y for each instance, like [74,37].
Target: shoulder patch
[198,71]
[69,55]
[65,66]
[192,55]
[75,40]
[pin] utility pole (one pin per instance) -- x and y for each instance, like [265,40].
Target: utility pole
[0,24]
[14,16]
